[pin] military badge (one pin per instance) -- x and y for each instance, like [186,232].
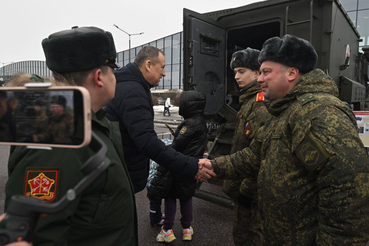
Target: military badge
[247,129]
[42,184]
[183,130]
[311,153]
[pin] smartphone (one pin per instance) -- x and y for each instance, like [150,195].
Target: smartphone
[56,116]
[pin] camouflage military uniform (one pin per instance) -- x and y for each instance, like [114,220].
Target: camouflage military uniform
[313,172]
[58,125]
[247,228]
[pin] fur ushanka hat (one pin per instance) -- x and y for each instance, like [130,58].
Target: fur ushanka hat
[290,51]
[245,58]
[79,49]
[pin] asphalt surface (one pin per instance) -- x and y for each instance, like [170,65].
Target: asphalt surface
[212,223]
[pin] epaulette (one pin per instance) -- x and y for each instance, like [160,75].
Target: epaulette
[304,99]
[260,97]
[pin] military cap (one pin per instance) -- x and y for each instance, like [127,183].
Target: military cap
[290,51]
[245,58]
[79,49]
[60,100]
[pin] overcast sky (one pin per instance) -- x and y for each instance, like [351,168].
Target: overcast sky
[24,23]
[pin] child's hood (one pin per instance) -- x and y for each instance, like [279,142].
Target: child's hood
[191,103]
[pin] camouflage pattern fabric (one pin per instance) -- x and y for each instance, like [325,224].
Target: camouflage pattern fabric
[313,171]
[246,220]
[58,126]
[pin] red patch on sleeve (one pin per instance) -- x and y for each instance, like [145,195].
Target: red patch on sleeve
[42,184]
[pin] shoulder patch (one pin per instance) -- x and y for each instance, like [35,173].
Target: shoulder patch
[304,99]
[42,184]
[247,129]
[183,130]
[260,97]
[311,153]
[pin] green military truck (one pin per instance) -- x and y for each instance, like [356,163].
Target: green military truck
[210,39]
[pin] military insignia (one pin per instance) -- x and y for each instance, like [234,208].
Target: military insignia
[41,184]
[183,130]
[311,153]
[247,129]
[260,97]
[234,58]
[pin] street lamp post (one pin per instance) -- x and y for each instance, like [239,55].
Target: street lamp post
[129,35]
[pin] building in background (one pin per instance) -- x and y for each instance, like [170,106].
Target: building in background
[172,46]
[358,11]
[32,67]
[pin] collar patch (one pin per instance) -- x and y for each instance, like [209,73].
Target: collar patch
[42,184]
[260,97]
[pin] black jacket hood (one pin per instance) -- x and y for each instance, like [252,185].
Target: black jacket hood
[191,103]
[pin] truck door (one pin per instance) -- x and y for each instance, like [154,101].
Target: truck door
[204,53]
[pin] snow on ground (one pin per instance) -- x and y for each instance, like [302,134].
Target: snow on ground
[160,109]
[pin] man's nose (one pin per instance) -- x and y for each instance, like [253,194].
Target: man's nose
[261,78]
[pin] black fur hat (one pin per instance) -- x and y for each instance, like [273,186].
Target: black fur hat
[245,58]
[79,49]
[60,100]
[290,51]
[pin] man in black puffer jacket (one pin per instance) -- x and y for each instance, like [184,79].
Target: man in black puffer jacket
[132,107]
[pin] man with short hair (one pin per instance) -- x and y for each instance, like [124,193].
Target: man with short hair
[105,212]
[311,166]
[132,107]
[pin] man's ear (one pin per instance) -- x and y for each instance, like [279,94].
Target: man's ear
[293,74]
[148,64]
[97,78]
[256,74]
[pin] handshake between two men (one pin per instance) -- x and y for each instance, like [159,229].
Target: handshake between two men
[206,171]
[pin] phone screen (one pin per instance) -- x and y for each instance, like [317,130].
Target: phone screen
[42,116]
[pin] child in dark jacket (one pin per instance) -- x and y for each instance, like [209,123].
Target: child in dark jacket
[190,139]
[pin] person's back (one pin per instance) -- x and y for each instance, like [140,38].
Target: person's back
[190,139]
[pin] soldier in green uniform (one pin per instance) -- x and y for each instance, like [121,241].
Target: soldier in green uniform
[247,226]
[105,213]
[312,168]
[60,127]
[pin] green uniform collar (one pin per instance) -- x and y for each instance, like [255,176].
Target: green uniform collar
[249,91]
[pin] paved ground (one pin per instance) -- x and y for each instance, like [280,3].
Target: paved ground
[212,223]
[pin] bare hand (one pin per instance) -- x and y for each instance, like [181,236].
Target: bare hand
[205,171]
[206,163]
